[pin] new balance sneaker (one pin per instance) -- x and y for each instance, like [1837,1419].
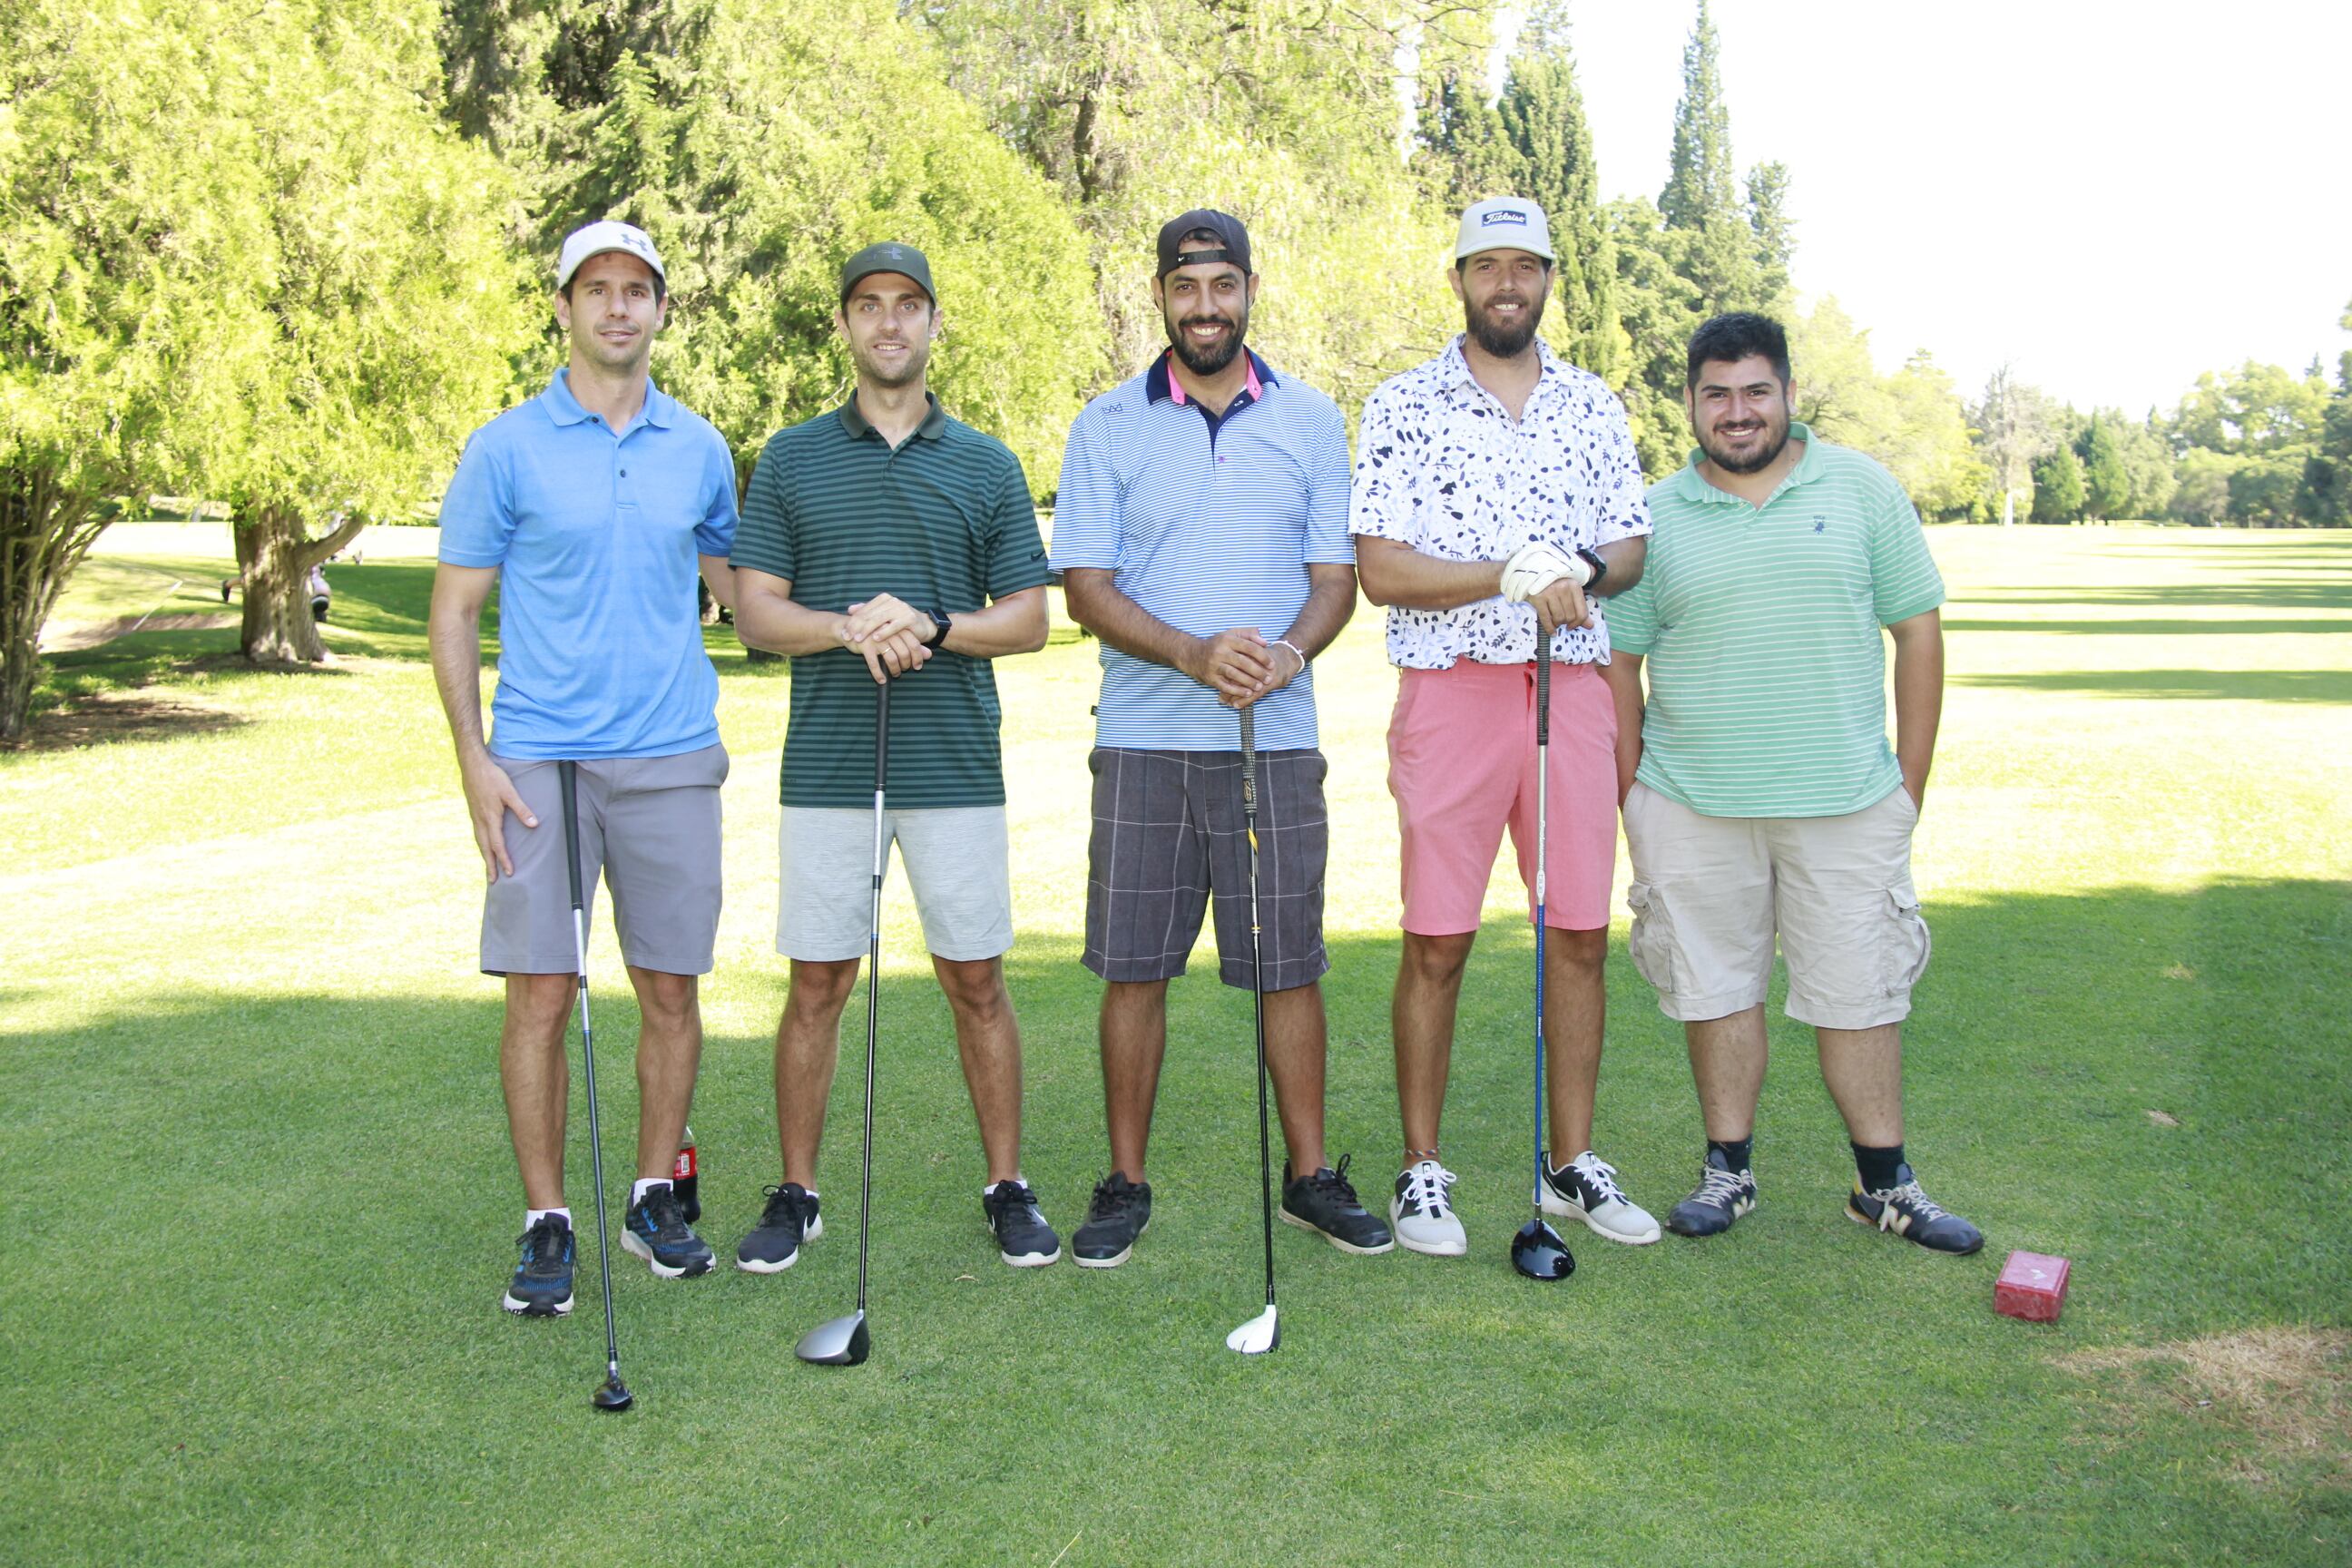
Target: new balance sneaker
[1322,1201]
[1118,1213]
[1723,1195]
[1912,1215]
[541,1286]
[1022,1238]
[1421,1212]
[1586,1188]
[789,1220]
[655,1229]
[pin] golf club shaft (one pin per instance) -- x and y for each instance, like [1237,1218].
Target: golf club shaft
[873,981]
[567,776]
[1543,823]
[1257,998]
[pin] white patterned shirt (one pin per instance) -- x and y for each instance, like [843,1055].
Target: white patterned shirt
[1441,466]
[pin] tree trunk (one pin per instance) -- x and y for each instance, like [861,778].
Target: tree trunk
[46,529]
[275,560]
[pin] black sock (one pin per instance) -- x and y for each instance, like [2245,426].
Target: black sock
[1735,1151]
[1877,1166]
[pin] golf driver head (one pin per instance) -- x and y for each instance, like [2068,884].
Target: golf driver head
[841,1343]
[613,1395]
[1537,1252]
[1259,1335]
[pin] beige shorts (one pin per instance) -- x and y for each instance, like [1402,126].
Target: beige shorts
[1711,892]
[958,867]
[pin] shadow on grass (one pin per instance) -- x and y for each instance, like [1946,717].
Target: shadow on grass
[2225,685]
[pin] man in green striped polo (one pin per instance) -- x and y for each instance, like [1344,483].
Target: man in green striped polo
[885,541]
[1760,795]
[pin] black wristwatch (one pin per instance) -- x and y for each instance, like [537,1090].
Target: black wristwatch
[940,626]
[1599,569]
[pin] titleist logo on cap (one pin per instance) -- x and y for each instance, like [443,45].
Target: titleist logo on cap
[1502,216]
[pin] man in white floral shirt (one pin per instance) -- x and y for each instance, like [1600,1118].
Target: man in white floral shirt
[1496,491]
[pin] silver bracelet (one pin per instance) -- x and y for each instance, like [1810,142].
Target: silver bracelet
[1285,642]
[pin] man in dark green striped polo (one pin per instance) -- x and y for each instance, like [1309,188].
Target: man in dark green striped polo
[884,541]
[1760,796]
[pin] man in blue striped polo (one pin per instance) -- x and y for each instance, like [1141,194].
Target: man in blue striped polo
[1202,531]
[1760,795]
[884,541]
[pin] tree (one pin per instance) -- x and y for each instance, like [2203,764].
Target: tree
[1775,230]
[2202,497]
[2058,488]
[2016,425]
[1541,115]
[395,312]
[92,315]
[2107,484]
[1699,175]
[1910,421]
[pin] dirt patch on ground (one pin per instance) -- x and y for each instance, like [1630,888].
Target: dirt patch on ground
[139,715]
[97,634]
[2276,1396]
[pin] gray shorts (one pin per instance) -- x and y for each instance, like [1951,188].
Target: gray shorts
[650,825]
[1711,892]
[1168,833]
[957,865]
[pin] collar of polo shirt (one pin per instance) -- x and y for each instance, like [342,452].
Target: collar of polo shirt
[934,424]
[1693,484]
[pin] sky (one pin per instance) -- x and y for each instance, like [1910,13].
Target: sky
[2112,198]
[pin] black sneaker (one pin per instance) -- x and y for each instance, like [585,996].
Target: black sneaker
[1022,1238]
[774,1244]
[1723,1195]
[655,1229]
[1912,1215]
[1324,1203]
[541,1286]
[1119,1213]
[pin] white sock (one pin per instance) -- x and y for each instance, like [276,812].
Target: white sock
[991,1187]
[533,1217]
[643,1185]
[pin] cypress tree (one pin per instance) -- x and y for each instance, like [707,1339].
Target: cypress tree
[2106,483]
[1698,183]
[2058,488]
[1542,114]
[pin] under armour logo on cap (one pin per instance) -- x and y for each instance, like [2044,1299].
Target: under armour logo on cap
[600,237]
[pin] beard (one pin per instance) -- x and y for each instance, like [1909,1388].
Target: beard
[1503,340]
[1755,459]
[1213,358]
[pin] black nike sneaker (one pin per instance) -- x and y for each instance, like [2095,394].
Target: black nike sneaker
[1023,1239]
[655,1229]
[1119,1213]
[789,1219]
[541,1286]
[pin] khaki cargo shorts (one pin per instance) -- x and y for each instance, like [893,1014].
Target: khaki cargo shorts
[1710,893]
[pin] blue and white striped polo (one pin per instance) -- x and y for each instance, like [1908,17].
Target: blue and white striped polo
[1208,526]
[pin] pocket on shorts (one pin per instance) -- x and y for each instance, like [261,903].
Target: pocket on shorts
[1907,946]
[1651,941]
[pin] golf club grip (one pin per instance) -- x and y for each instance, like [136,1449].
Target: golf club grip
[1249,765]
[1543,684]
[567,777]
[881,735]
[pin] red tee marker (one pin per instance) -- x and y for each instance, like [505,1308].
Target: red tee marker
[2032,1285]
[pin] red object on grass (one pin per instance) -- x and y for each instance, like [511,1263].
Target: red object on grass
[2032,1285]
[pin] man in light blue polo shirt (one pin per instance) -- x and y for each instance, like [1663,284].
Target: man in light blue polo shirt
[592,507]
[1202,531]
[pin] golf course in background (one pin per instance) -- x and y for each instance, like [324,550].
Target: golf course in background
[263,1203]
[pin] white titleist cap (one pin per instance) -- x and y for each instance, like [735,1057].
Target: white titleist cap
[606,233]
[1504,222]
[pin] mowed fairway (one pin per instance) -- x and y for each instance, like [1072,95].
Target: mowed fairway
[261,1200]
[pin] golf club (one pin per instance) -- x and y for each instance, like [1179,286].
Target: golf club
[613,1394]
[844,1341]
[1262,1332]
[1536,1251]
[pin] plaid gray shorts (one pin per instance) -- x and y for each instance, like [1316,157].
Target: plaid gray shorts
[1168,833]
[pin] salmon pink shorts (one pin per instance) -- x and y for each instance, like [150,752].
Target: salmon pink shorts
[1461,766]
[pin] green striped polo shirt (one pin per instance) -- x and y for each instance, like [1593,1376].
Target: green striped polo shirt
[1760,627]
[944,522]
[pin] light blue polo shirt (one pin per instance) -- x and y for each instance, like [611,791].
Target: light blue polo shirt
[600,646]
[1208,525]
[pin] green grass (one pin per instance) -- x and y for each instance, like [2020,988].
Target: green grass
[264,1201]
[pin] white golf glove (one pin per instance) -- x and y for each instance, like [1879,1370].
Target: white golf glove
[1537,567]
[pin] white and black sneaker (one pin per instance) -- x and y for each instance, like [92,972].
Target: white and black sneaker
[1421,1212]
[1023,1239]
[1722,1196]
[655,1229]
[1586,1188]
[789,1220]
[541,1286]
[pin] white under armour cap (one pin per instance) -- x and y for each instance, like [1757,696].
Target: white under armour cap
[607,234]
[1504,222]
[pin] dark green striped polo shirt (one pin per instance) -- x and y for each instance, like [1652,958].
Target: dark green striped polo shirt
[944,522]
